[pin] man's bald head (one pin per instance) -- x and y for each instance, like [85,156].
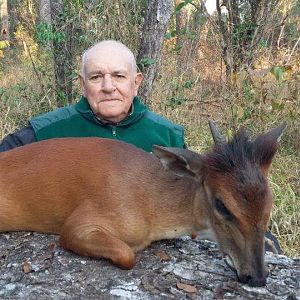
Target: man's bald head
[109,80]
[108,48]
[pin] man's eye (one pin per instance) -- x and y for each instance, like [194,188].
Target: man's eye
[120,76]
[95,77]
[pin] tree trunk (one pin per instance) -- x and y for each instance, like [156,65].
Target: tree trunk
[156,21]
[63,54]
[14,19]
[45,11]
[33,267]
[181,23]
[4,26]
[242,30]
[226,36]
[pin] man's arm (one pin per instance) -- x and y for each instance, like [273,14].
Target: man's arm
[19,138]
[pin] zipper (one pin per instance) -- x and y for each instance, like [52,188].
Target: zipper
[114,130]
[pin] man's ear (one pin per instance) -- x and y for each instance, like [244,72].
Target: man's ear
[82,85]
[138,80]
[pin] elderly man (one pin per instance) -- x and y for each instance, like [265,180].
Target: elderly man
[109,106]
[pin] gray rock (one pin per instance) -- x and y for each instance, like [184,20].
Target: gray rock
[34,267]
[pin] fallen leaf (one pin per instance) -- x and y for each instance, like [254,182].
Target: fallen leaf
[46,256]
[194,235]
[49,254]
[162,255]
[52,247]
[26,267]
[187,287]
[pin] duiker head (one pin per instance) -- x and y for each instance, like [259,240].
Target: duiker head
[240,199]
[237,200]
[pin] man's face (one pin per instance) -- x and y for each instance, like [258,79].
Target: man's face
[110,82]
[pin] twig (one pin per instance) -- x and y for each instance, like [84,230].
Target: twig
[36,71]
[293,50]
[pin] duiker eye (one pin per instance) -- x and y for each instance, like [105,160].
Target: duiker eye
[222,209]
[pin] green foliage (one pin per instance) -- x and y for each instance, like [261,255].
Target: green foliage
[189,34]
[182,4]
[179,94]
[244,32]
[170,35]
[278,72]
[2,91]
[292,29]
[4,44]
[144,63]
[174,102]
[46,34]
[177,48]
[61,98]
[277,87]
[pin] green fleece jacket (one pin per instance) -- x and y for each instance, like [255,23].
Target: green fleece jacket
[141,128]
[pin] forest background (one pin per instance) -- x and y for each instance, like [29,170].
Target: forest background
[236,62]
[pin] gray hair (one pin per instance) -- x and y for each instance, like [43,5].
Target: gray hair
[131,57]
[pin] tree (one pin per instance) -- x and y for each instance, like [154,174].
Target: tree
[170,269]
[45,11]
[188,24]
[181,23]
[63,52]
[4,20]
[242,28]
[157,17]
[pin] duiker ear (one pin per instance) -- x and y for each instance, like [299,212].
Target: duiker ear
[182,162]
[266,145]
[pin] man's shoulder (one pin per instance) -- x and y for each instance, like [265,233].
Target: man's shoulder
[162,121]
[53,117]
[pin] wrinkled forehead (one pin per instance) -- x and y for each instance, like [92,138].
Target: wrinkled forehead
[108,56]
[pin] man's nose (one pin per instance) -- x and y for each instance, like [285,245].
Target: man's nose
[108,85]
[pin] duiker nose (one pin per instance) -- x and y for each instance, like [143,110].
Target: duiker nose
[253,280]
[108,85]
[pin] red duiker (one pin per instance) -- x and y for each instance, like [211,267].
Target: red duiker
[106,198]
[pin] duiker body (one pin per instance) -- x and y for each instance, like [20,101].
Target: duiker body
[108,199]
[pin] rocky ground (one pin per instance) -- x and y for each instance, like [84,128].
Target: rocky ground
[32,266]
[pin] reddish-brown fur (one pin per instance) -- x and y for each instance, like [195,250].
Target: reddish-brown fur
[109,199]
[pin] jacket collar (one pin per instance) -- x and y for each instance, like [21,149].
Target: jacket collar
[137,111]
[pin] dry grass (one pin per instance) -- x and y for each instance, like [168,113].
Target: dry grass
[285,184]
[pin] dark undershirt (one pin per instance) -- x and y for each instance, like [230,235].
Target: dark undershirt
[19,138]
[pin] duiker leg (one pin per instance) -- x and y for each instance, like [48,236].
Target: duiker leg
[88,236]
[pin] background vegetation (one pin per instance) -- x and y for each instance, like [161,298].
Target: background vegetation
[255,84]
